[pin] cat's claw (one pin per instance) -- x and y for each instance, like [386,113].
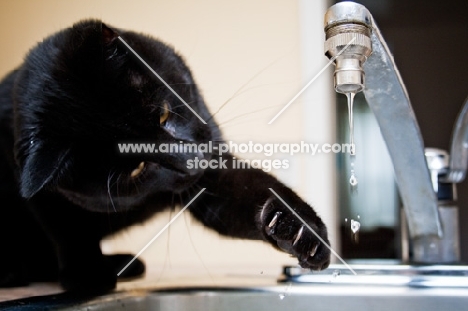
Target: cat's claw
[274,220]
[285,231]
[298,236]
[314,250]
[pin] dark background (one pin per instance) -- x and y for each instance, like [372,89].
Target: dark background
[429,41]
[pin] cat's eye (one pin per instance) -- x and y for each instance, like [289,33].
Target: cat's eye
[138,170]
[165,112]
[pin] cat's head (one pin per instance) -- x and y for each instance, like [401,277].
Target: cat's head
[83,91]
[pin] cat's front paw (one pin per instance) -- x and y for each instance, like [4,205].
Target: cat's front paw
[100,275]
[286,231]
[89,278]
[119,261]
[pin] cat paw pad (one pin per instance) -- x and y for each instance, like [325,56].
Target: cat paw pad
[287,232]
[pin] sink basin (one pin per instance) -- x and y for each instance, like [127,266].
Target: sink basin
[277,298]
[428,276]
[383,288]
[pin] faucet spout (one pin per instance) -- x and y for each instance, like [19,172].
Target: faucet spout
[348,43]
[388,99]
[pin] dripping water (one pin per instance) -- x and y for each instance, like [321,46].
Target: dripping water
[353,179]
[336,273]
[350,97]
[355,226]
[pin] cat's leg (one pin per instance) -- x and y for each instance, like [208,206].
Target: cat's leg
[239,203]
[76,234]
[13,268]
[13,233]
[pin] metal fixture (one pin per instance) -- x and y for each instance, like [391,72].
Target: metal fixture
[388,99]
[459,149]
[446,248]
[348,29]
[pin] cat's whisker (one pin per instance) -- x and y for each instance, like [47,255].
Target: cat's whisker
[172,200]
[240,90]
[117,183]
[178,114]
[180,199]
[134,183]
[178,106]
[109,189]
[172,112]
[197,188]
[249,113]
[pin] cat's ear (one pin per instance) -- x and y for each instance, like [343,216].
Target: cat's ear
[108,34]
[42,166]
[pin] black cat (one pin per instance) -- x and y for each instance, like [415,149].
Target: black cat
[64,185]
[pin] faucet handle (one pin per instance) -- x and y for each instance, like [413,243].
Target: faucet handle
[459,147]
[437,159]
[438,164]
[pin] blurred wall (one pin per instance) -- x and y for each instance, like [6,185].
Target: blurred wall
[255,55]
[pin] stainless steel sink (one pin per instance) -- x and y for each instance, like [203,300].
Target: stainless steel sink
[332,297]
[374,287]
[412,276]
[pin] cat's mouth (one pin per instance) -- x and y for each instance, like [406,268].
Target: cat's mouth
[164,176]
[147,179]
[129,189]
[139,171]
[170,167]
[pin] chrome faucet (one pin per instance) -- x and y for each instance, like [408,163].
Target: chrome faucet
[459,148]
[364,63]
[446,171]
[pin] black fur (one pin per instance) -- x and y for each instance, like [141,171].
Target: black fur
[64,185]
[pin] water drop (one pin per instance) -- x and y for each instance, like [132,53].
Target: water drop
[346,219]
[355,225]
[352,150]
[358,217]
[336,273]
[286,290]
